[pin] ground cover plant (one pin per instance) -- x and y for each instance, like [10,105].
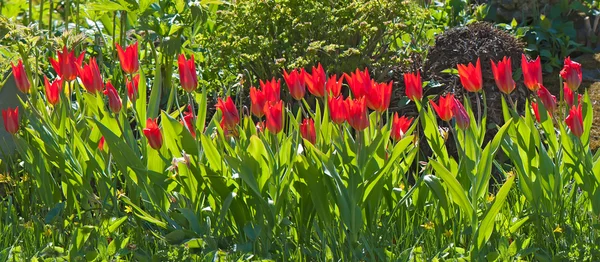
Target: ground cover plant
[118,158]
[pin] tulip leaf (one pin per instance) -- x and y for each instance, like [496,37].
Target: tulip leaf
[201,100]
[484,168]
[587,111]
[142,101]
[155,93]
[456,190]
[486,227]
[213,156]
[123,154]
[435,185]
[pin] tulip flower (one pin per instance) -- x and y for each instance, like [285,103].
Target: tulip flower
[536,111]
[132,87]
[114,101]
[315,81]
[356,110]
[334,86]
[399,126]
[444,107]
[66,64]
[187,73]
[570,96]
[571,73]
[470,76]
[271,89]
[503,75]
[295,82]
[337,109]
[547,98]
[230,114]
[188,121]
[378,98]
[460,114]
[257,101]
[90,76]
[101,143]
[307,130]
[153,134]
[53,90]
[21,77]
[414,86]
[274,116]
[359,82]
[532,72]
[11,120]
[575,121]
[129,58]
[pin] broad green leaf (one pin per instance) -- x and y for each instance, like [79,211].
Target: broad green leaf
[486,226]
[457,192]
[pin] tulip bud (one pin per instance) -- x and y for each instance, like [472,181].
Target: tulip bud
[11,120]
[153,134]
[21,77]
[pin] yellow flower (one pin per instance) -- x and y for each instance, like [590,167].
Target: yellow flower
[490,198]
[448,233]
[128,209]
[429,225]
[558,229]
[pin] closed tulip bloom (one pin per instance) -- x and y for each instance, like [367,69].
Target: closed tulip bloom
[188,121]
[271,89]
[315,81]
[503,75]
[570,96]
[66,64]
[400,126]
[357,116]
[21,77]
[53,90]
[337,109]
[307,130]
[187,73]
[334,86]
[571,73]
[11,119]
[132,87]
[101,143]
[444,107]
[460,114]
[470,76]
[129,58]
[230,114]
[536,111]
[90,76]
[274,116]
[114,101]
[532,72]
[359,82]
[547,98]
[378,98]
[575,121]
[295,82]
[153,134]
[257,101]
[414,86]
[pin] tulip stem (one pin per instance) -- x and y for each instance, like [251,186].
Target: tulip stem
[478,110]
[512,103]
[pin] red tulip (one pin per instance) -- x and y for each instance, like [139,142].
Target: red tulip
[536,111]
[114,101]
[274,115]
[307,130]
[11,119]
[334,86]
[129,58]
[378,97]
[20,77]
[357,116]
[271,89]
[503,75]
[53,90]
[414,86]
[532,72]
[257,101]
[547,98]
[460,114]
[188,121]
[316,81]
[575,121]
[399,126]
[470,76]
[359,82]
[187,73]
[444,107]
[90,76]
[132,87]
[230,116]
[571,73]
[101,143]
[66,64]
[337,109]
[295,82]
[570,95]
[153,134]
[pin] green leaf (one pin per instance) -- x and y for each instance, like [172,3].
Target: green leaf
[116,224]
[456,190]
[155,93]
[486,226]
